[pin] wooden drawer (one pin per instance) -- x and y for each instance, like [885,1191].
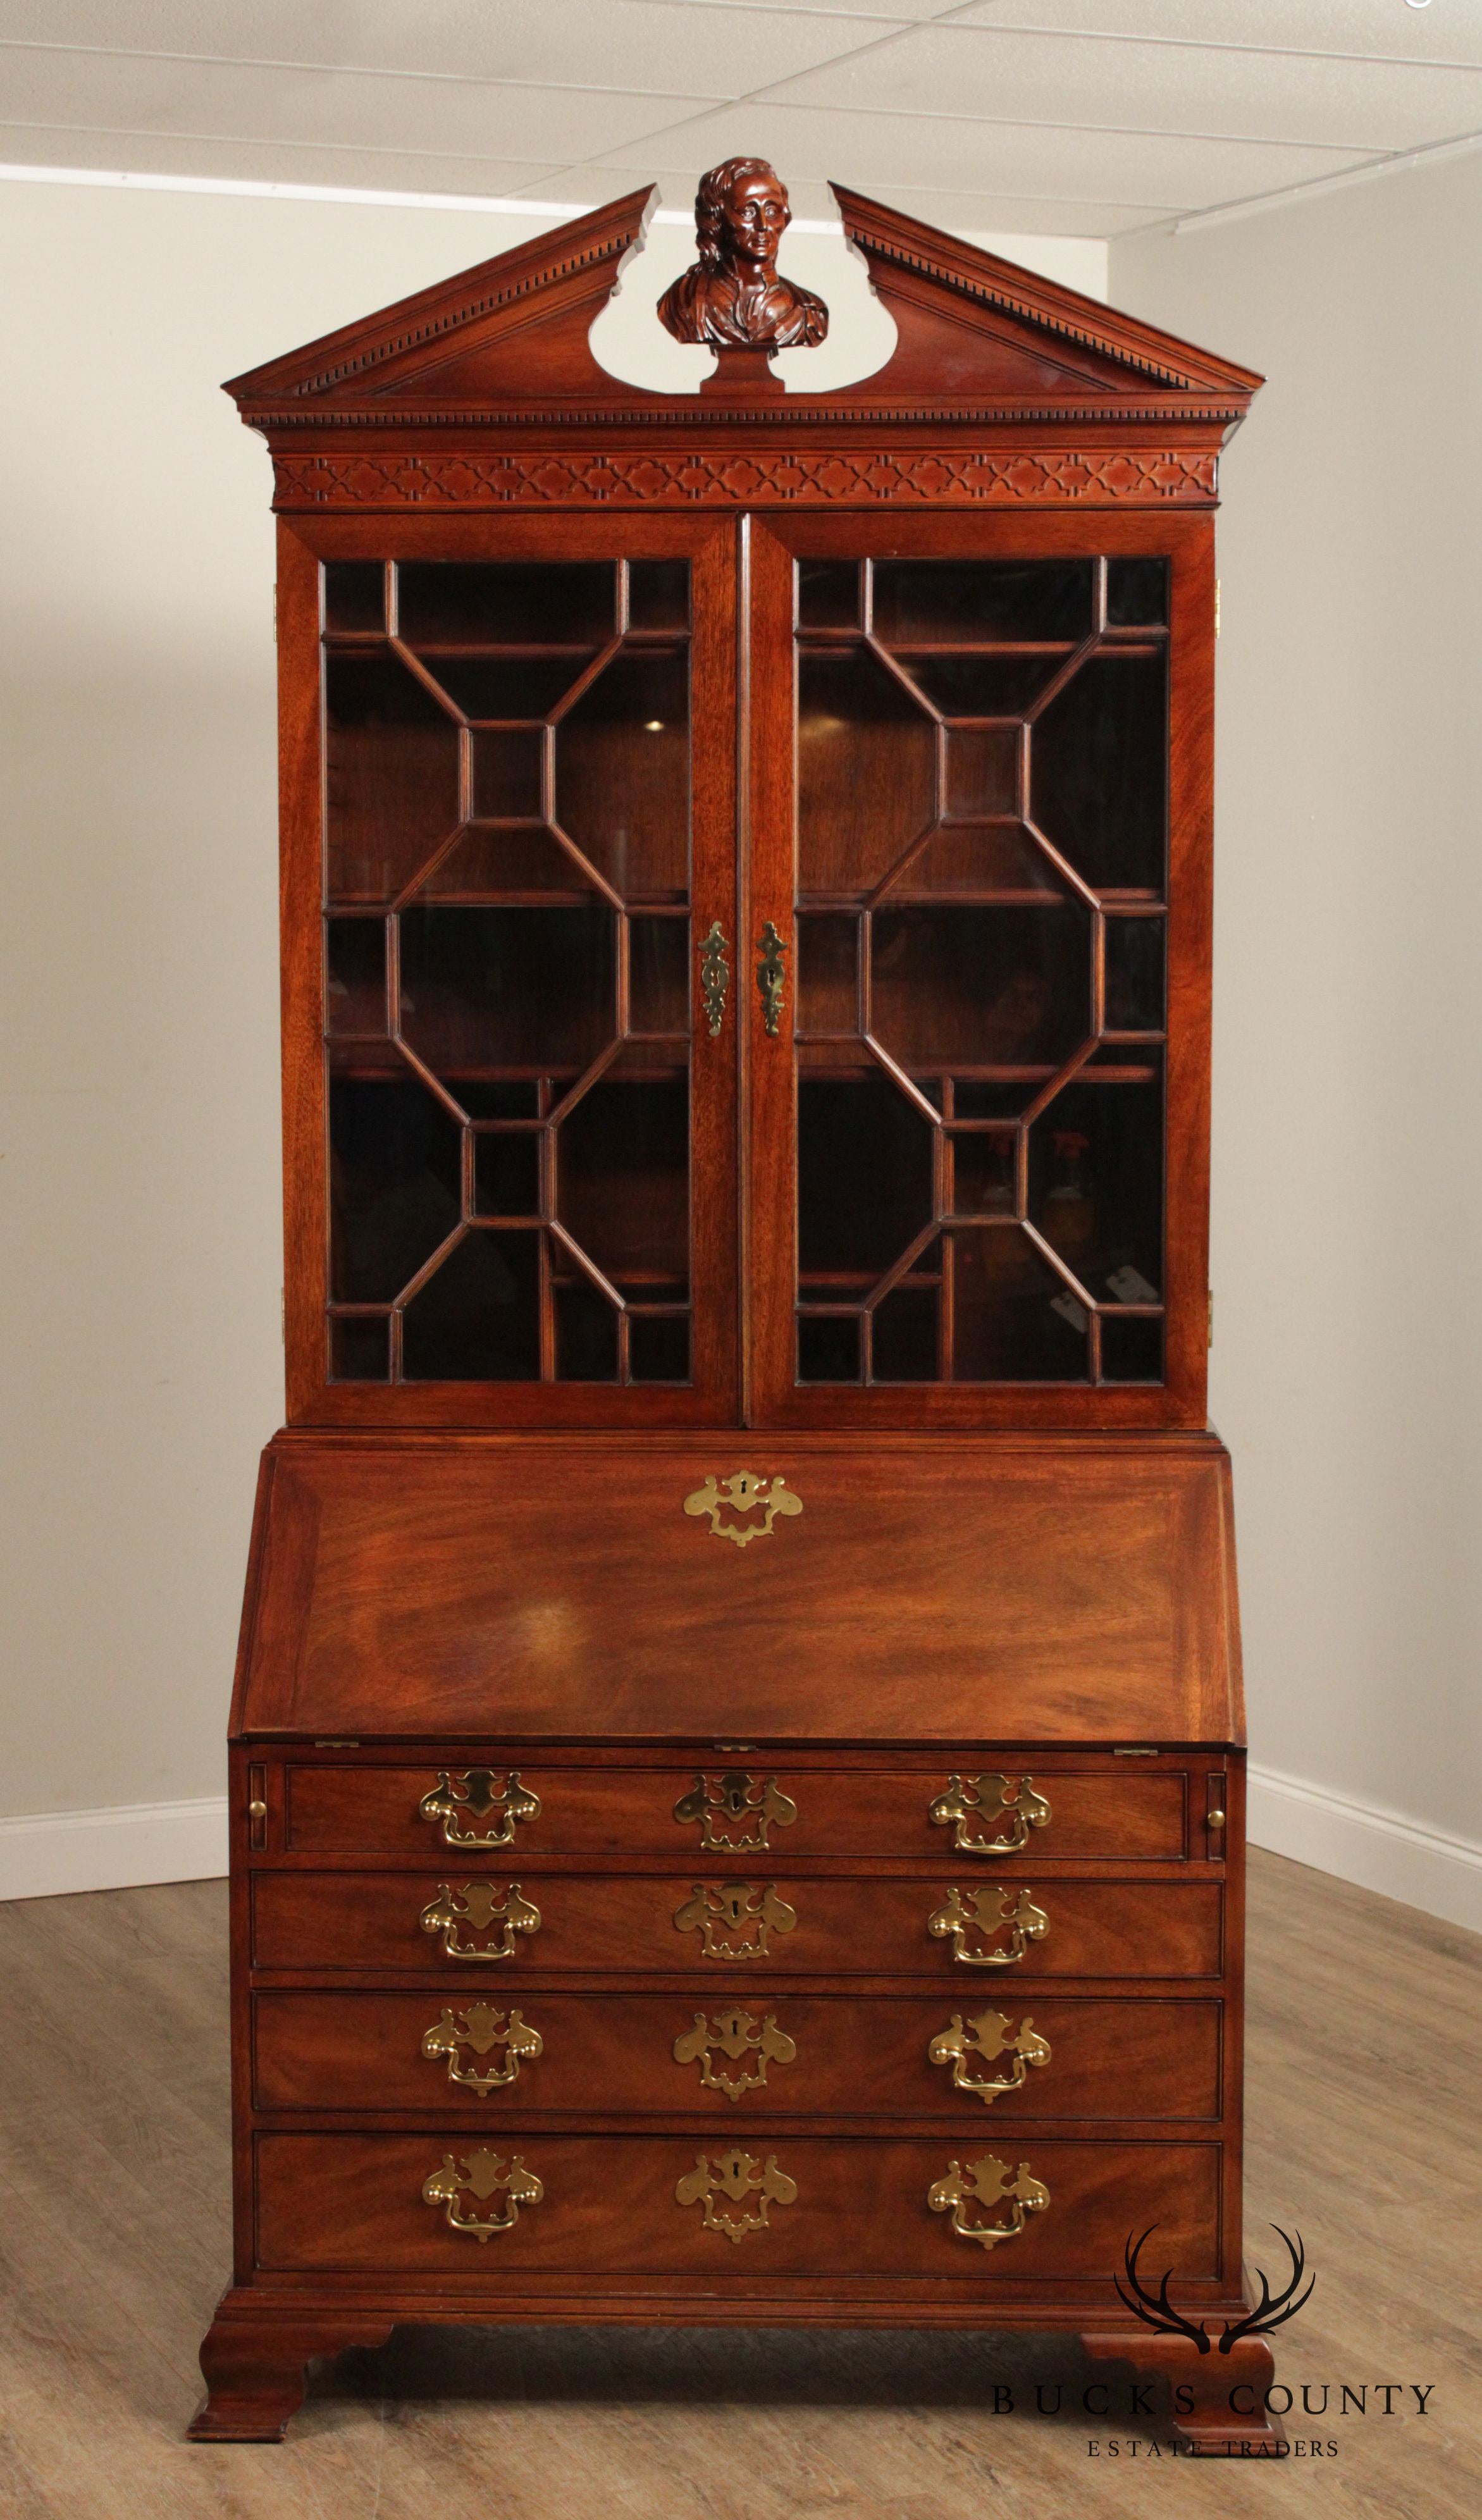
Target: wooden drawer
[771,2052]
[636,1923]
[685,1809]
[614,2204]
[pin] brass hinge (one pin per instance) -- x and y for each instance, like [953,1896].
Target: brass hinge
[1217,608]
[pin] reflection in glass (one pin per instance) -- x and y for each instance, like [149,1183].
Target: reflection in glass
[355,976]
[391,775]
[394,1179]
[958,600]
[1014,1318]
[513,601]
[827,593]
[1096,1186]
[658,975]
[622,1183]
[983,686]
[1134,949]
[622,772]
[969,988]
[505,1173]
[828,959]
[507,988]
[507,773]
[983,771]
[864,1174]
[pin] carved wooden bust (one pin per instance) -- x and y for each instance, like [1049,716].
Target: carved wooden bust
[733,297]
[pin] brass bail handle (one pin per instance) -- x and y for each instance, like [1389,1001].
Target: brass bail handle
[771,977]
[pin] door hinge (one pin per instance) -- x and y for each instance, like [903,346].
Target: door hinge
[1209,1325]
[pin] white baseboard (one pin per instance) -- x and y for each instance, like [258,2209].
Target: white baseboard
[46,1853]
[49,1852]
[1362,1842]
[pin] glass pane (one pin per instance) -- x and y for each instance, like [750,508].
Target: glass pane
[395,1172]
[360,1349]
[1137,591]
[827,958]
[505,687]
[866,770]
[960,600]
[983,771]
[515,601]
[902,1345]
[507,773]
[827,1349]
[964,858]
[391,774]
[828,593]
[478,1317]
[1095,1185]
[354,594]
[1014,1318]
[983,1171]
[586,1330]
[983,686]
[355,976]
[622,1184]
[508,988]
[659,1350]
[969,988]
[1131,1351]
[863,1175]
[658,594]
[658,975]
[1135,975]
[622,772]
[1099,770]
[505,1173]
[482,861]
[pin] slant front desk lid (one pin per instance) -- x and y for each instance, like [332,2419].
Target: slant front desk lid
[739,1588]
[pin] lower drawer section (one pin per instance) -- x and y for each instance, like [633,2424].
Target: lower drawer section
[672,1923]
[958,2051]
[815,2205]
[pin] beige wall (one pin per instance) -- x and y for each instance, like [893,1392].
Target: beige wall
[1348,1189]
[139,1181]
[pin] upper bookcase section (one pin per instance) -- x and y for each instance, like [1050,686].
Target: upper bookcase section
[1004,388]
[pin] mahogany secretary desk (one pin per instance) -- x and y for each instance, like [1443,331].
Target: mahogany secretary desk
[736,1777]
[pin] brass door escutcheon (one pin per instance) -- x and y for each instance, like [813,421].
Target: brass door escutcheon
[483,2175]
[739,2176]
[988,2037]
[478,2026]
[771,977]
[731,1803]
[736,2033]
[978,1803]
[735,1917]
[472,1796]
[481,1904]
[982,1914]
[714,977]
[986,2183]
[745,1494]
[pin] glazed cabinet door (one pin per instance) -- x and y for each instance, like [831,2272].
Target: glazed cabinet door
[979,946]
[509,893]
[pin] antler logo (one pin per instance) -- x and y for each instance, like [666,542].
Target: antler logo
[735,1812]
[743,1492]
[1155,2309]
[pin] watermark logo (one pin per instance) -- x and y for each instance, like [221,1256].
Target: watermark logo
[1271,2311]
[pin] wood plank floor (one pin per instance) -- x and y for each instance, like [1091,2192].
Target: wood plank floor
[1365,2064]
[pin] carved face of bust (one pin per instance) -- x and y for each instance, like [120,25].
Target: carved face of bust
[755,217]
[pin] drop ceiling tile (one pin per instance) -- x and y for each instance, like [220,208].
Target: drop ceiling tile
[876,150]
[1375,29]
[644,44]
[373,170]
[964,212]
[1149,87]
[345,108]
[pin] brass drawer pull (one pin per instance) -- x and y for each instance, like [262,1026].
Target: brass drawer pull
[735,1917]
[739,2176]
[472,1796]
[988,1802]
[988,2037]
[742,1493]
[714,977]
[982,1914]
[984,2184]
[483,2175]
[737,2033]
[478,2026]
[736,1803]
[479,1904]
